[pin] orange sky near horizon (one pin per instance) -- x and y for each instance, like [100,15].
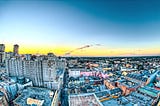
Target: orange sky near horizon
[91,51]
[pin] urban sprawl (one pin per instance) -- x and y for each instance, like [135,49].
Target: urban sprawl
[50,80]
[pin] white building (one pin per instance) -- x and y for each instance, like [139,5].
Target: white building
[74,72]
[43,71]
[49,73]
[33,70]
[14,67]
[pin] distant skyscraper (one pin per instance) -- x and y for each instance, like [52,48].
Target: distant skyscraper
[2,53]
[2,47]
[16,50]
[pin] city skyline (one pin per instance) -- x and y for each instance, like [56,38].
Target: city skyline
[125,28]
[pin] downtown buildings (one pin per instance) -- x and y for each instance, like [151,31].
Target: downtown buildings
[41,80]
[44,71]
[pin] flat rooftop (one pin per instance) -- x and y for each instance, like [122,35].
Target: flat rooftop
[129,83]
[102,94]
[34,95]
[140,99]
[149,91]
[116,102]
[84,100]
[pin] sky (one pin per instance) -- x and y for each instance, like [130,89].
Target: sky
[120,27]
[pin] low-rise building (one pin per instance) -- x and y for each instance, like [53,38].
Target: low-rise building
[84,100]
[10,85]
[127,86]
[35,96]
[136,77]
[145,96]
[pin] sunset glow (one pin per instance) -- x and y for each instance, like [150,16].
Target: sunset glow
[122,28]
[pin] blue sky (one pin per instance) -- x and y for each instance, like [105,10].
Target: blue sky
[113,23]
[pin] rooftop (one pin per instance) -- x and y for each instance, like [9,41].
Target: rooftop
[128,83]
[108,94]
[149,91]
[137,76]
[33,95]
[37,102]
[84,100]
[140,99]
[117,102]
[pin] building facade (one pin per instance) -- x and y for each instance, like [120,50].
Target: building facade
[42,71]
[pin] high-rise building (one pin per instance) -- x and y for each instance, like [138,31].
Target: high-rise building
[16,50]
[31,69]
[8,55]
[42,71]
[49,73]
[2,53]
[2,57]
[14,67]
[2,47]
